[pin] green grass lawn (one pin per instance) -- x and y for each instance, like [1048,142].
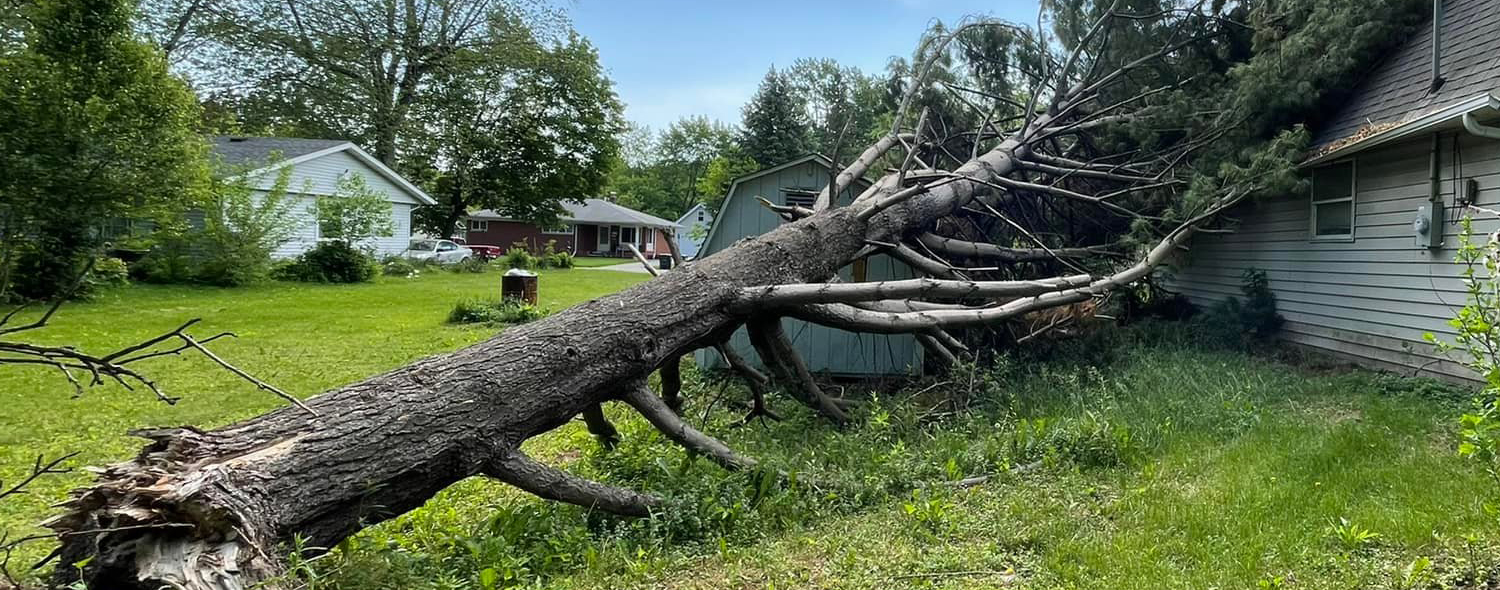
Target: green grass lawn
[591,261]
[303,338]
[1149,462]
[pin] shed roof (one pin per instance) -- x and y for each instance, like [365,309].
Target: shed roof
[1397,95]
[594,211]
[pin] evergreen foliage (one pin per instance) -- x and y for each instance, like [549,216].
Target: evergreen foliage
[775,128]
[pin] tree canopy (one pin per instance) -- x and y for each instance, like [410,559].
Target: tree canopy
[92,128]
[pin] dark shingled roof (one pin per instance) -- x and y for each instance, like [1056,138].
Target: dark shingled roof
[594,211]
[235,150]
[1398,90]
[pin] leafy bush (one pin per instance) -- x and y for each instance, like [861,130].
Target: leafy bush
[108,271]
[35,274]
[551,257]
[354,212]
[241,229]
[505,311]
[518,257]
[397,266]
[330,262]
[1476,345]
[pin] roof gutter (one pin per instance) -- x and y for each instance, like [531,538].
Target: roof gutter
[1471,124]
[1415,127]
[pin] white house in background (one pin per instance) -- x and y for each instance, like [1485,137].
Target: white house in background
[316,167]
[693,223]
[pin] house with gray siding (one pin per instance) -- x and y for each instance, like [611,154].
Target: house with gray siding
[1362,262]
[316,167]
[825,350]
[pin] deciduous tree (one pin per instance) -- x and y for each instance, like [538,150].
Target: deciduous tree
[92,128]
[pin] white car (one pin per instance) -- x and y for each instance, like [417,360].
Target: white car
[439,251]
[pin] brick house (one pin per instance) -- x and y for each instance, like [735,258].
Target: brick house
[595,227]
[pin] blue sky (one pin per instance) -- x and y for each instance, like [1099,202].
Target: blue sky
[672,58]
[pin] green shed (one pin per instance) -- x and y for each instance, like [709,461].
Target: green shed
[826,350]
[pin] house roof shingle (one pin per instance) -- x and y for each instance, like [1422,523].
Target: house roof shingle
[1398,90]
[235,150]
[594,211]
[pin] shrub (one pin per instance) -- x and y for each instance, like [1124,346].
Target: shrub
[505,311]
[551,257]
[1476,343]
[330,262]
[35,274]
[518,257]
[354,213]
[241,229]
[397,266]
[108,271]
[1247,324]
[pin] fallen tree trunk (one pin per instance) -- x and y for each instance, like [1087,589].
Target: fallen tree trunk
[383,446]
[202,510]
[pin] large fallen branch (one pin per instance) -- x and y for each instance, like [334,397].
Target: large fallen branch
[201,510]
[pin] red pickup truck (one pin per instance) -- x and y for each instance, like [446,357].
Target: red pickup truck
[484,252]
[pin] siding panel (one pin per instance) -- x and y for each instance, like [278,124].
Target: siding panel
[1371,299]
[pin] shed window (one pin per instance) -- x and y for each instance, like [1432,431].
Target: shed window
[479,225]
[1333,201]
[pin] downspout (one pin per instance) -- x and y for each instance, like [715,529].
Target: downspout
[1435,172]
[1471,124]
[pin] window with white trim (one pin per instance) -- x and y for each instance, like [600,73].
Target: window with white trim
[479,225]
[627,234]
[1333,201]
[650,236]
[565,230]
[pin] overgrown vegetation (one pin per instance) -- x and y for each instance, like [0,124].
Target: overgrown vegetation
[1477,344]
[490,311]
[240,229]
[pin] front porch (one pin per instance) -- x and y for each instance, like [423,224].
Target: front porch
[609,240]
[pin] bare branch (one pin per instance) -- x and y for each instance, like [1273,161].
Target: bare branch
[955,247]
[777,352]
[665,420]
[857,169]
[784,295]
[641,258]
[522,471]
